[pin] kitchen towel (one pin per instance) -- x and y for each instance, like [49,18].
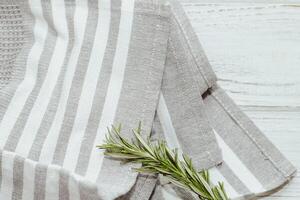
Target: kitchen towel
[71,68]
[78,67]
[252,166]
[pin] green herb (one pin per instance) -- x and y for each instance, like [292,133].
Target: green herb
[157,158]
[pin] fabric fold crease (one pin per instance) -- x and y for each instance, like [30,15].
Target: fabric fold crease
[72,68]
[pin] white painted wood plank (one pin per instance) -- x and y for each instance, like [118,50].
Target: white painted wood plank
[294,2]
[255,50]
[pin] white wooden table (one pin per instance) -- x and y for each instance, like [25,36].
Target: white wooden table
[255,50]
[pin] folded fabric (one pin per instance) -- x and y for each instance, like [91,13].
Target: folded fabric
[79,67]
[71,68]
[252,166]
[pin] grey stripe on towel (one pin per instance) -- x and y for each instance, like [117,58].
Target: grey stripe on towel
[75,67]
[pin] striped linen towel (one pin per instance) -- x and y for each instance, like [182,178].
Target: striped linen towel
[252,167]
[71,68]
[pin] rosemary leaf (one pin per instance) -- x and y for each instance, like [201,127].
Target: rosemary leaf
[157,158]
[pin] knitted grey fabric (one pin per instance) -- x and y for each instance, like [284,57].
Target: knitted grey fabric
[84,65]
[11,40]
[75,67]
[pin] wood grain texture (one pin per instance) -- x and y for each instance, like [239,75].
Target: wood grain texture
[255,50]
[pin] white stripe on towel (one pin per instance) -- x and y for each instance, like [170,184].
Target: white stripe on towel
[238,167]
[114,87]
[216,177]
[89,85]
[26,86]
[74,193]
[7,175]
[52,183]
[172,141]
[80,20]
[166,124]
[57,60]
[28,180]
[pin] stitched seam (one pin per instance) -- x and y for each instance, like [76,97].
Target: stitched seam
[278,168]
[197,80]
[177,89]
[208,153]
[147,79]
[184,79]
[187,39]
[155,40]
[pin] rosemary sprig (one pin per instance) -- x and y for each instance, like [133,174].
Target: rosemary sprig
[157,158]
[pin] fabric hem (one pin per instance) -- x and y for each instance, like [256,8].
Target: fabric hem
[57,168]
[288,167]
[146,183]
[210,158]
[206,73]
[275,186]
